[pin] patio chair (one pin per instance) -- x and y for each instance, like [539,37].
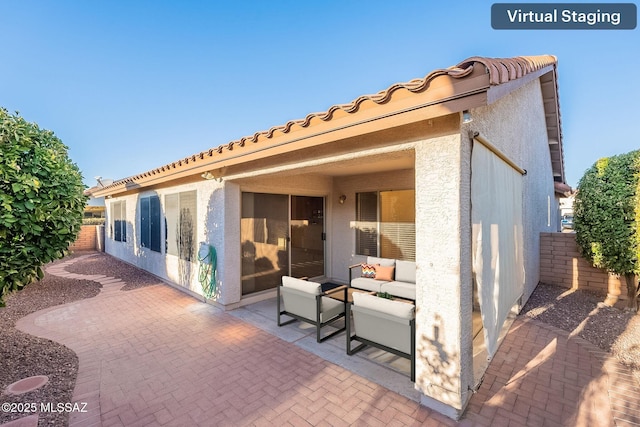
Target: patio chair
[305,301]
[384,324]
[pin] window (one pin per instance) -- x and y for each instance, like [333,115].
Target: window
[150,223]
[119,221]
[180,225]
[386,224]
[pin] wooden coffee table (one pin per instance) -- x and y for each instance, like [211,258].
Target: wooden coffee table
[350,291]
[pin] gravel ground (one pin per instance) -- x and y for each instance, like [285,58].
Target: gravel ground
[102,263]
[22,355]
[582,313]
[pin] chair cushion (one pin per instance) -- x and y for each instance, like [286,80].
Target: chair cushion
[330,308]
[394,308]
[406,271]
[384,273]
[302,285]
[368,270]
[385,262]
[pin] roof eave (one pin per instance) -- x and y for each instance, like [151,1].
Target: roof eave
[441,92]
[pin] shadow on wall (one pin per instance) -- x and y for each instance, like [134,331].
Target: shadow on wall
[440,380]
[186,246]
[165,228]
[213,237]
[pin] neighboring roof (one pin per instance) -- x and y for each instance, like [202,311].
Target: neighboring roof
[562,189]
[504,74]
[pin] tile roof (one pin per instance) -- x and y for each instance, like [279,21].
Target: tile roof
[500,70]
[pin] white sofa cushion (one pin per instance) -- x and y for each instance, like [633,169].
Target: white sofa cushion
[385,262]
[302,285]
[367,284]
[394,308]
[405,271]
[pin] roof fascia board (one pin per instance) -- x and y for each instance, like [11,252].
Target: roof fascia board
[322,135]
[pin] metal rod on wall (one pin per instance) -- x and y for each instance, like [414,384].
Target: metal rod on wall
[497,152]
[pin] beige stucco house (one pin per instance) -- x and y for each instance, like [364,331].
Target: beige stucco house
[455,170]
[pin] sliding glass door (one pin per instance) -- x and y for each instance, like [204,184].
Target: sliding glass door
[280,235]
[307,236]
[264,230]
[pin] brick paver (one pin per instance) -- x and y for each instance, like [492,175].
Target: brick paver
[156,356]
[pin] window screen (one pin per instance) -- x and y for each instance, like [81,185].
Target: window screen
[367,224]
[150,223]
[180,224]
[385,224]
[119,222]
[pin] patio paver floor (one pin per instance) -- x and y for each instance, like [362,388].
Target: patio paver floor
[156,356]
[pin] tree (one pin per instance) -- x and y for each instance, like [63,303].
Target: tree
[607,218]
[41,201]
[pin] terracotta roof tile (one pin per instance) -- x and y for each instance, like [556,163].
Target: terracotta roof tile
[501,70]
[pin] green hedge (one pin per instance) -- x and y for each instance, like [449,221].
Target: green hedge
[41,201]
[606,216]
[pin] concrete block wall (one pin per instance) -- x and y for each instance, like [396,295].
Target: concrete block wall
[562,265]
[88,239]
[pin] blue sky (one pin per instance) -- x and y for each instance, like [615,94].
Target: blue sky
[132,85]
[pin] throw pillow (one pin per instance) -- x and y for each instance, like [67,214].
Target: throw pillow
[384,273]
[369,270]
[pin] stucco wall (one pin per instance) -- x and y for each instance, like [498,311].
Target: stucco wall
[516,125]
[211,216]
[443,273]
[343,215]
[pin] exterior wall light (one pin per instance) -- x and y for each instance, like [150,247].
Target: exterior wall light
[216,174]
[466,116]
[342,199]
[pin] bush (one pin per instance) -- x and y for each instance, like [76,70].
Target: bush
[41,201]
[605,217]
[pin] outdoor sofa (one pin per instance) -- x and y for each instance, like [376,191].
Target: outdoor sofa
[395,277]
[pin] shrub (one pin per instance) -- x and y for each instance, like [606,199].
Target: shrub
[605,217]
[41,201]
